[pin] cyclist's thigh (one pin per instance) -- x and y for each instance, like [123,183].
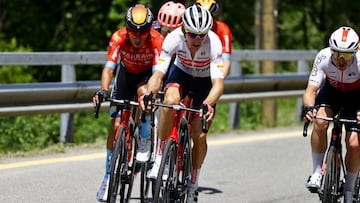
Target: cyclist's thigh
[200,88]
[329,96]
[180,78]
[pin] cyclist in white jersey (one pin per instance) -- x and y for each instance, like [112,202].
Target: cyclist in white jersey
[336,73]
[198,68]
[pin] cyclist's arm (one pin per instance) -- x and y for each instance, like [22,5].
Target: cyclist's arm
[215,92]
[155,82]
[227,64]
[309,101]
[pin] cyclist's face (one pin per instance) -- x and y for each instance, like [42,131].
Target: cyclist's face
[194,40]
[342,60]
[137,38]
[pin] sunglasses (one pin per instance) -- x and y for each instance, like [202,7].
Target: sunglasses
[345,55]
[195,35]
[138,34]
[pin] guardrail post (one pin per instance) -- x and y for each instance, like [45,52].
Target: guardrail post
[66,126]
[302,66]
[234,108]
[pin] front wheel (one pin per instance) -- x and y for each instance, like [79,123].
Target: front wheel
[165,188]
[331,183]
[122,169]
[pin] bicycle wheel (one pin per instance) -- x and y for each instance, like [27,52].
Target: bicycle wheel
[144,182]
[331,184]
[122,172]
[117,161]
[184,166]
[165,189]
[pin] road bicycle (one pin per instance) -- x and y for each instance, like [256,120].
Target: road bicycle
[176,155]
[333,169]
[123,163]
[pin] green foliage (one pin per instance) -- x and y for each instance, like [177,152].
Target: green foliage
[90,130]
[25,133]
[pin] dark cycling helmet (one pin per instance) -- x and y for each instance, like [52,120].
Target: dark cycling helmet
[197,19]
[210,5]
[344,39]
[170,14]
[139,18]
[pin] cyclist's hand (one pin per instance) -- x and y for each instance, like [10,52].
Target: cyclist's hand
[100,96]
[309,113]
[210,112]
[145,100]
[358,117]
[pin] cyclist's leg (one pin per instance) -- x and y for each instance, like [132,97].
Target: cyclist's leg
[144,141]
[200,89]
[319,134]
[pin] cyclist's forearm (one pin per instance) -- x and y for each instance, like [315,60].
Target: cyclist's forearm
[155,81]
[106,78]
[215,92]
[309,95]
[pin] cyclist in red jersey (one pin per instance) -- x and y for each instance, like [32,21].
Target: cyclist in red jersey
[137,46]
[222,30]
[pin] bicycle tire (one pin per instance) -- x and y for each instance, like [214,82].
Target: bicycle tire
[331,181]
[122,171]
[164,189]
[116,162]
[185,162]
[144,183]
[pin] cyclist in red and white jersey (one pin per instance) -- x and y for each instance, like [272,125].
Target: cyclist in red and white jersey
[198,68]
[336,73]
[137,46]
[222,30]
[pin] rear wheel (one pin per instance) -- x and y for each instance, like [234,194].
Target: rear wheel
[331,193]
[164,190]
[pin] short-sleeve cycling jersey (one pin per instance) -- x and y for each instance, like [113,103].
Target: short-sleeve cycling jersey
[207,61]
[136,60]
[324,69]
[224,33]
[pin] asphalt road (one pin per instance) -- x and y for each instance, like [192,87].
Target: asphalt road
[262,166]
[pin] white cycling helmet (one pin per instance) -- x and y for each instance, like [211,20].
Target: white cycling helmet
[197,19]
[344,39]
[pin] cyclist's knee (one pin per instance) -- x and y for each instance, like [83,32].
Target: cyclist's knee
[353,143]
[199,137]
[321,125]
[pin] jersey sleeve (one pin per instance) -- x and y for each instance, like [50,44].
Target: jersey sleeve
[317,74]
[167,51]
[114,49]
[216,64]
[157,41]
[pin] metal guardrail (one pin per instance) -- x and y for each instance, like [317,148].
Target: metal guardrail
[70,96]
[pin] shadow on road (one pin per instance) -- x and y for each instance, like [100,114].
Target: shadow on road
[208,190]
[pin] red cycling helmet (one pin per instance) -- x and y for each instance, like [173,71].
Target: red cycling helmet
[170,14]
